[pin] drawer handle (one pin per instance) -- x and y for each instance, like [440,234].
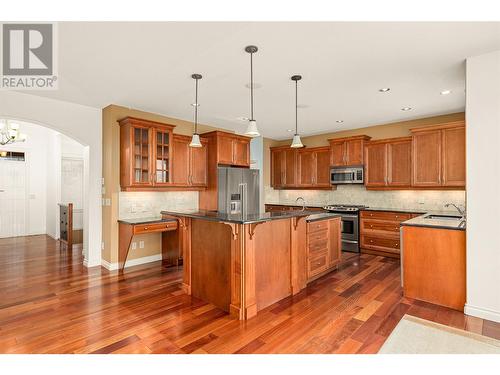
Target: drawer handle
[371,226]
[396,245]
[371,241]
[145,228]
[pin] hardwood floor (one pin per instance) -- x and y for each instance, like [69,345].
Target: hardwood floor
[50,303]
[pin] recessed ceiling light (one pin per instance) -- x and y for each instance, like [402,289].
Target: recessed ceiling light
[385,89]
[255,85]
[289,130]
[242,118]
[340,121]
[406,109]
[445,92]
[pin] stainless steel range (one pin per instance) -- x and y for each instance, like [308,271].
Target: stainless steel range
[350,224]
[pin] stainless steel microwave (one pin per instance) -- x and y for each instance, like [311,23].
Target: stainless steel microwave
[347,175]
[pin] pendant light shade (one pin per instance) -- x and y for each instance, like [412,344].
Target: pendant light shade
[195,140]
[296,142]
[252,130]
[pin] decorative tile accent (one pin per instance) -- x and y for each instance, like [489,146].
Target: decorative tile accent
[142,204]
[428,200]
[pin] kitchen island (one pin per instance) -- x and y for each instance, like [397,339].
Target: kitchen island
[244,263]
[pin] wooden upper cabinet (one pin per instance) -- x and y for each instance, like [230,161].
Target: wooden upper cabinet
[337,154]
[399,162]
[306,168]
[438,154]
[376,164]
[313,167]
[322,170]
[189,163]
[283,167]
[347,151]
[145,153]
[277,168]
[388,163]
[427,158]
[453,156]
[231,149]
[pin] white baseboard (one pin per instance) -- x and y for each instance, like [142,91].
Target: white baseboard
[93,263]
[132,262]
[481,312]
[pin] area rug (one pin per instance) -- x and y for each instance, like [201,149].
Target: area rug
[418,336]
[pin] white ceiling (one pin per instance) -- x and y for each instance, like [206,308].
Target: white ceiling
[148,66]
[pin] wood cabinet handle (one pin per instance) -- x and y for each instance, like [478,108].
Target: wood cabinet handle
[145,228]
[397,245]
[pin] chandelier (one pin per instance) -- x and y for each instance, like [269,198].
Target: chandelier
[9,133]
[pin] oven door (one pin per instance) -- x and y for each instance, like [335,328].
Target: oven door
[350,233]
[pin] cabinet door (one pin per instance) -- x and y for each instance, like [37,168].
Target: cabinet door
[180,167]
[335,245]
[306,168]
[376,164]
[142,174]
[199,165]
[454,156]
[354,152]
[322,170]
[399,164]
[277,168]
[337,154]
[241,152]
[290,167]
[225,150]
[162,160]
[426,151]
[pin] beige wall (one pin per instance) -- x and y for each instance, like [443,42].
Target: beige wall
[111,174]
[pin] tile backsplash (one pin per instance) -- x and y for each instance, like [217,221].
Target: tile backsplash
[145,204]
[430,200]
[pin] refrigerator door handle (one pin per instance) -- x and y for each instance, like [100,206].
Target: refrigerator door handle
[244,198]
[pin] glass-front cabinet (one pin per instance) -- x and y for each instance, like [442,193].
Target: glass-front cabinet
[145,153]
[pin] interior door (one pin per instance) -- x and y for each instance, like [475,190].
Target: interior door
[12,198]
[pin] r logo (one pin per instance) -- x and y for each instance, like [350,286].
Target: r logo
[27,49]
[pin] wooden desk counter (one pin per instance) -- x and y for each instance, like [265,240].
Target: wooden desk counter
[130,227]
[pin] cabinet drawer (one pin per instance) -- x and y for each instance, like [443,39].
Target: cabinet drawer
[318,247]
[318,236]
[317,226]
[317,264]
[380,226]
[156,227]
[380,243]
[385,215]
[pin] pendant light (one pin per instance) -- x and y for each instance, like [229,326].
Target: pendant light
[252,130]
[195,141]
[296,142]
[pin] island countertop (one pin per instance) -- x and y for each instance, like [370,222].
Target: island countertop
[437,223]
[245,219]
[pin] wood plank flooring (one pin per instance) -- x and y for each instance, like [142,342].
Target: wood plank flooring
[50,303]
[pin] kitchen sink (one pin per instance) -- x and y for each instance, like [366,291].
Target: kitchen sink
[443,217]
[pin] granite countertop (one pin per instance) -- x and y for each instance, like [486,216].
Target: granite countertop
[145,220]
[322,216]
[243,219]
[402,210]
[423,221]
[295,205]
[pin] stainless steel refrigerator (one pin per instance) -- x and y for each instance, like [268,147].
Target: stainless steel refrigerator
[238,191]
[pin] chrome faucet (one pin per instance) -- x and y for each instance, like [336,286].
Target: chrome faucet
[303,202]
[461,211]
